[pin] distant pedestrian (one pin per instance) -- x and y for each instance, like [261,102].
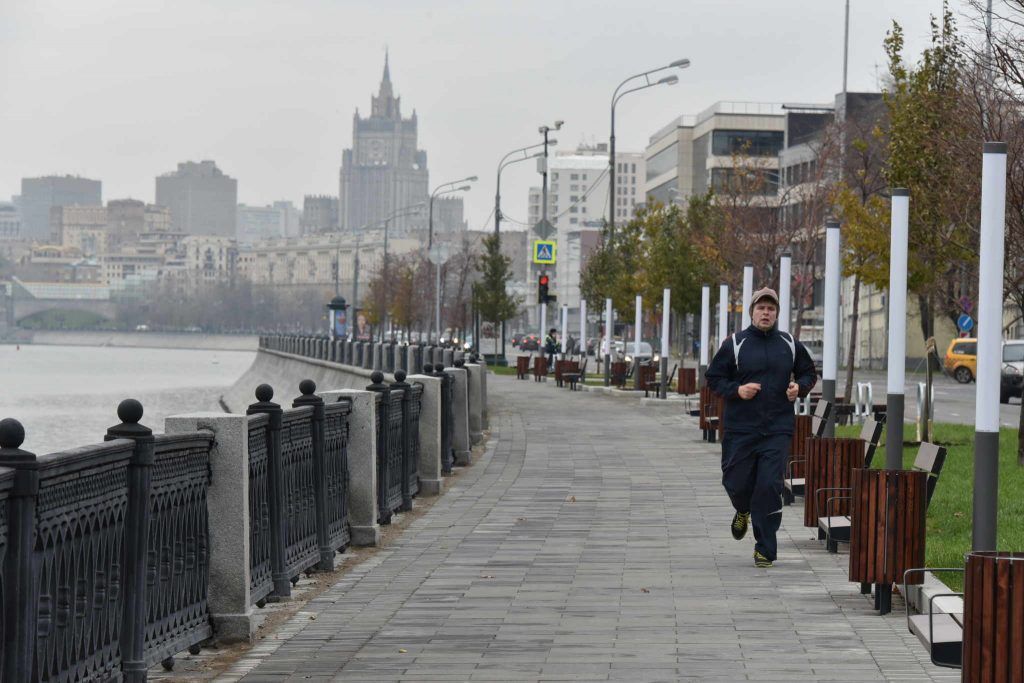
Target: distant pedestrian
[551,346]
[760,372]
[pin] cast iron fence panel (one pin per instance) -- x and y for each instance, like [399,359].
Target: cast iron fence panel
[261,580]
[396,450]
[79,547]
[414,438]
[336,417]
[298,470]
[6,482]
[178,573]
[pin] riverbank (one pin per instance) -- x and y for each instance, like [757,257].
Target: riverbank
[140,340]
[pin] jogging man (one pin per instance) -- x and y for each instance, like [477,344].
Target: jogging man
[760,372]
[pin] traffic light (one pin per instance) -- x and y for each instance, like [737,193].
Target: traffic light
[542,289]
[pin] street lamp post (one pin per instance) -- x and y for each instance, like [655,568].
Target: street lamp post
[508,161]
[413,209]
[616,96]
[436,257]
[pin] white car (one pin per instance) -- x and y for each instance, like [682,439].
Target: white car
[629,352]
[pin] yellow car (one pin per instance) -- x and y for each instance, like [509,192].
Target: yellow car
[962,359]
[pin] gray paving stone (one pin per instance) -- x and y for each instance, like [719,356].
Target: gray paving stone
[590,542]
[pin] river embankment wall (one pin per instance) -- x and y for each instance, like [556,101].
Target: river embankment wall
[148,340]
[284,371]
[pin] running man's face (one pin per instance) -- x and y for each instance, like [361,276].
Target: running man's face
[765,314]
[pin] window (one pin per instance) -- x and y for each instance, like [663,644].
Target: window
[574,198]
[554,176]
[632,168]
[574,176]
[1013,353]
[664,161]
[573,221]
[749,142]
[583,188]
[752,181]
[583,209]
[574,188]
[572,209]
[966,348]
[554,187]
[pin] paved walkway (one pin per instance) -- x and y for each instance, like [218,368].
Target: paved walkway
[589,543]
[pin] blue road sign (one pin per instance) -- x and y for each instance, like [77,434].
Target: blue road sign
[544,252]
[965,322]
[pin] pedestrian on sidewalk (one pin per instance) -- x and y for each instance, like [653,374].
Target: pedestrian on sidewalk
[760,372]
[551,347]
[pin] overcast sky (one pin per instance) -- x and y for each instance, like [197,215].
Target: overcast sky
[123,90]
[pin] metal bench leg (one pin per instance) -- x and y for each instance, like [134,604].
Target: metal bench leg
[883,598]
[832,546]
[865,589]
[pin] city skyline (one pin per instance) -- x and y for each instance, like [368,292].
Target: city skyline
[480,84]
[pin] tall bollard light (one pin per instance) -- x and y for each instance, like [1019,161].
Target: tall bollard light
[830,350]
[895,398]
[785,295]
[583,329]
[748,291]
[666,302]
[638,318]
[543,326]
[565,329]
[607,346]
[723,313]
[990,354]
[705,332]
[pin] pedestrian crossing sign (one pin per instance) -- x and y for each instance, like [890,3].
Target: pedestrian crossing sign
[544,252]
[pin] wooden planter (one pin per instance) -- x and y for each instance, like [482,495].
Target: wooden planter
[830,463]
[618,373]
[887,532]
[522,367]
[993,617]
[644,375]
[540,367]
[798,445]
[687,383]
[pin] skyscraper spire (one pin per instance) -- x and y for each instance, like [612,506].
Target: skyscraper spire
[385,104]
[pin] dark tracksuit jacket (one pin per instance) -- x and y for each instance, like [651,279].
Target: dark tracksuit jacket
[758,431]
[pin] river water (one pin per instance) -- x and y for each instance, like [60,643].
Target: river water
[67,396]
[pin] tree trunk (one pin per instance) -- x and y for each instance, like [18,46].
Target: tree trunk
[924,305]
[854,318]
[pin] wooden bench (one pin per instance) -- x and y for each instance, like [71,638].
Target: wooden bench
[577,376]
[808,426]
[562,367]
[645,375]
[712,407]
[655,385]
[835,529]
[941,628]
[888,533]
[619,373]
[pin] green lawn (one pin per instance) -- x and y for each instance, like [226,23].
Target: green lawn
[949,515]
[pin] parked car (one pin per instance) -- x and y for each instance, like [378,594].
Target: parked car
[529,342]
[1012,379]
[515,338]
[815,348]
[627,351]
[962,359]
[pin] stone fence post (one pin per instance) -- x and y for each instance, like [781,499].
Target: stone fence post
[431,480]
[362,463]
[460,406]
[228,506]
[475,395]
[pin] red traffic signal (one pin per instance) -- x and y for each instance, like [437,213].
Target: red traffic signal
[542,289]
[543,280]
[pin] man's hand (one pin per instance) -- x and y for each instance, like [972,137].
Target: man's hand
[748,391]
[792,391]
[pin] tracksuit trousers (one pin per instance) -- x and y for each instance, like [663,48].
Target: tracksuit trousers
[753,467]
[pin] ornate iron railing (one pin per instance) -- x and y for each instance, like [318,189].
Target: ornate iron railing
[177,612]
[261,581]
[415,399]
[6,484]
[79,538]
[336,472]
[298,484]
[396,452]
